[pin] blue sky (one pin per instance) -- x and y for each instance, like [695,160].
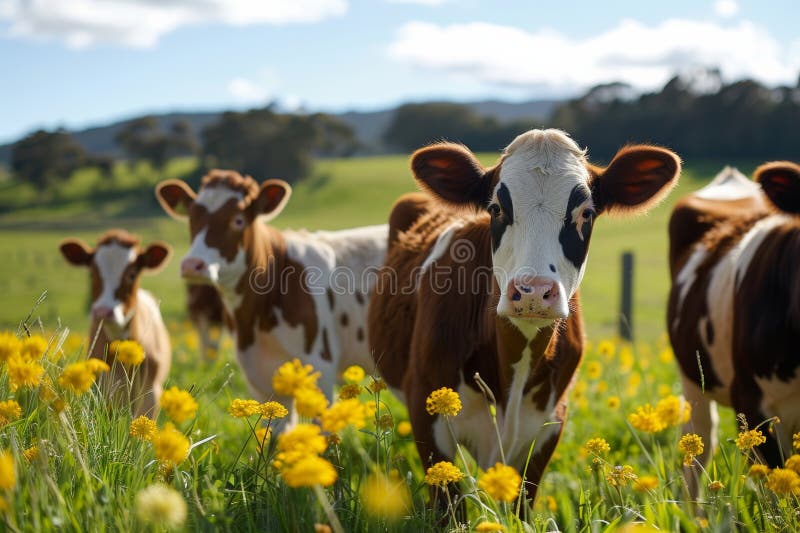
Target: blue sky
[85,62]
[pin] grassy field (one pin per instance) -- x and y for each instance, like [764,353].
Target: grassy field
[89,470]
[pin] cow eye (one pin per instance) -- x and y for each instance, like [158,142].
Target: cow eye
[130,276]
[494,210]
[589,213]
[237,222]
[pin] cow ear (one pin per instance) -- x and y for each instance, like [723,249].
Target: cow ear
[155,256]
[453,173]
[272,198]
[637,179]
[76,252]
[780,181]
[176,197]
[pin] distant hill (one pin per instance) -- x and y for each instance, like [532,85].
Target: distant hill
[368,125]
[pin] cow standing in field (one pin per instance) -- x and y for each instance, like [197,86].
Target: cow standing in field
[290,293]
[482,276]
[121,310]
[734,306]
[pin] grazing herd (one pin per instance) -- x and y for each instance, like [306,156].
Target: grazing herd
[474,285]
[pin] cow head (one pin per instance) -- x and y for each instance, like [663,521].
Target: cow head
[116,264]
[542,198]
[780,181]
[223,219]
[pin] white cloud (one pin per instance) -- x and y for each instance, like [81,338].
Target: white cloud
[247,91]
[141,23]
[644,56]
[726,8]
[431,3]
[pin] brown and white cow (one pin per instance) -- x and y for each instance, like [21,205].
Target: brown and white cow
[482,275]
[122,310]
[734,306]
[290,293]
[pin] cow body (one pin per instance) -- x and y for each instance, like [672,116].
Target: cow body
[733,308]
[123,311]
[482,276]
[290,293]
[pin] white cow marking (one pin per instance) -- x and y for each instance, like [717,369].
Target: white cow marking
[112,259]
[212,198]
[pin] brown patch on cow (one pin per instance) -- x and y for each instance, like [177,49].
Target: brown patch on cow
[359,297]
[326,347]
[329,294]
[405,211]
[258,307]
[344,320]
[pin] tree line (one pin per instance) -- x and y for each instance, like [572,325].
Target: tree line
[699,117]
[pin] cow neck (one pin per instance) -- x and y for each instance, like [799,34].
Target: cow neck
[512,342]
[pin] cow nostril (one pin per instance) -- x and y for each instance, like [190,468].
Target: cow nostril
[516,296]
[546,295]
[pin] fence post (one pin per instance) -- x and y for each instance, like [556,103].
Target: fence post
[626,298]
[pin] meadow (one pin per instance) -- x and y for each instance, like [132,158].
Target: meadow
[77,466]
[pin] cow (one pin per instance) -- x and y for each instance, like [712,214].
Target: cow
[206,312]
[734,306]
[290,293]
[122,310]
[482,276]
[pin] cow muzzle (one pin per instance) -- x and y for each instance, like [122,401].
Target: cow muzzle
[533,297]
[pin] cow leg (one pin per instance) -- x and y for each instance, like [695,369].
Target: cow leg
[542,453]
[704,422]
[207,345]
[746,397]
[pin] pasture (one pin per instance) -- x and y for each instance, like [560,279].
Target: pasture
[89,470]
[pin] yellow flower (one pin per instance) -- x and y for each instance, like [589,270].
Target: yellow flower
[796,441]
[33,347]
[342,414]
[178,404]
[594,370]
[77,377]
[664,390]
[749,439]
[613,402]
[602,387]
[143,428]
[351,390]
[9,345]
[783,481]
[384,496]
[170,446]
[370,407]
[442,473]
[309,471]
[716,486]
[31,454]
[646,419]
[310,403]
[262,436]
[96,366]
[444,401]
[607,349]
[758,471]
[619,476]
[626,358]
[302,441]
[645,483]
[161,505]
[691,445]
[8,474]
[552,506]
[501,482]
[673,411]
[353,374]
[22,373]
[243,408]
[129,353]
[9,411]
[292,376]
[377,385]
[404,428]
[793,463]
[597,446]
[485,527]
[272,410]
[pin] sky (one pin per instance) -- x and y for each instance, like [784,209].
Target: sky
[77,63]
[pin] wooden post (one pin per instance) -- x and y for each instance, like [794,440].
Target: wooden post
[626,298]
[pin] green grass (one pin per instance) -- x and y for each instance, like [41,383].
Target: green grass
[89,470]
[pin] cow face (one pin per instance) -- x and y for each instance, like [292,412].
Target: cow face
[223,219]
[542,199]
[115,265]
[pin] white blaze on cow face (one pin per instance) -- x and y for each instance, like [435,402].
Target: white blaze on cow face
[542,215]
[113,261]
